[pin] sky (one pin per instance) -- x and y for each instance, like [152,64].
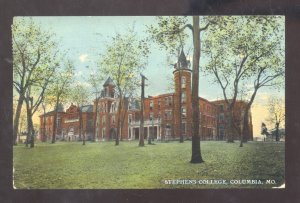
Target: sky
[85,39]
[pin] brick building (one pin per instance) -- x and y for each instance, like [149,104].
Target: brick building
[223,127]
[161,114]
[67,123]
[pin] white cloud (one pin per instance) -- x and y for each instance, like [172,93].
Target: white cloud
[83,57]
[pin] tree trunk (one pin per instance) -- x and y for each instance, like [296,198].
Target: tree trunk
[95,120]
[119,119]
[16,119]
[277,131]
[44,124]
[55,120]
[141,135]
[30,129]
[196,152]
[229,127]
[83,139]
[243,126]
[80,123]
[123,118]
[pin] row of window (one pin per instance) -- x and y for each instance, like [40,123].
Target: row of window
[168,102]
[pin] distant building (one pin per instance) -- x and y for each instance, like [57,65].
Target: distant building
[161,114]
[223,126]
[67,123]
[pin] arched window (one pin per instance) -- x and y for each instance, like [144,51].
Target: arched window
[183,81]
[183,97]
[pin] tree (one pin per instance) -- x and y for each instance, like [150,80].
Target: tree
[123,60]
[34,52]
[80,95]
[95,80]
[243,51]
[141,136]
[59,89]
[276,113]
[33,98]
[170,34]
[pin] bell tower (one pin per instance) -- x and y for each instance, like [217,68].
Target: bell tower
[109,88]
[182,97]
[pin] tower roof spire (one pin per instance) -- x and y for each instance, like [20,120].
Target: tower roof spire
[182,62]
[109,82]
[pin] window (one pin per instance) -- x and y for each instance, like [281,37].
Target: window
[113,119]
[129,118]
[183,82]
[166,101]
[221,117]
[158,104]
[183,97]
[158,117]
[151,104]
[168,115]
[58,122]
[113,107]
[170,101]
[183,112]
[221,107]
[151,116]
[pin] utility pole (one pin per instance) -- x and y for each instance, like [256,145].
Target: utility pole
[141,138]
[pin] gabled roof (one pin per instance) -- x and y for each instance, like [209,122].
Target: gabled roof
[109,82]
[52,112]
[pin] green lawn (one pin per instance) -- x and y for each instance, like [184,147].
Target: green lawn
[65,165]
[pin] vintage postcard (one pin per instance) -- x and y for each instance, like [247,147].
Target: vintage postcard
[149,102]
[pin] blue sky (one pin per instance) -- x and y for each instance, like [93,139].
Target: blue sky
[85,38]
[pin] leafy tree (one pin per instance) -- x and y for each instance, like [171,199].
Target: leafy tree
[95,80]
[243,51]
[33,98]
[170,33]
[80,95]
[59,89]
[276,113]
[34,53]
[123,60]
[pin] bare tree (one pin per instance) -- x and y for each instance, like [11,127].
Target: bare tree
[276,110]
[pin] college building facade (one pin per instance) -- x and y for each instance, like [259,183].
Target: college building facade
[161,115]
